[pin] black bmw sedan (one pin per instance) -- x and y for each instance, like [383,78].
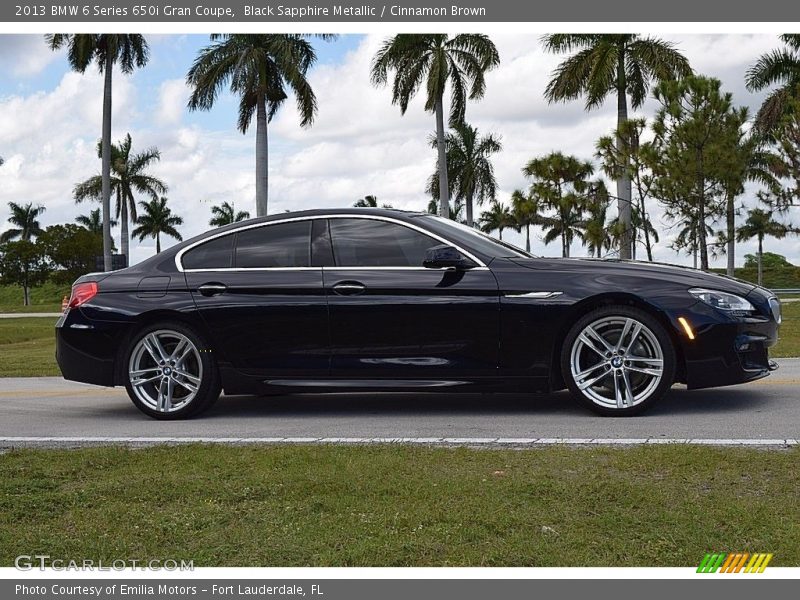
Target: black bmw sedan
[373,299]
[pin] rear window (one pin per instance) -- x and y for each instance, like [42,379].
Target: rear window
[216,254]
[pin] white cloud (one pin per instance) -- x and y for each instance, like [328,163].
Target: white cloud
[24,55]
[172,97]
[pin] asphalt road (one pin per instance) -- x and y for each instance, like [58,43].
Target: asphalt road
[51,407]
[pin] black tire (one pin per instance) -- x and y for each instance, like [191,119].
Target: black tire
[201,364]
[621,379]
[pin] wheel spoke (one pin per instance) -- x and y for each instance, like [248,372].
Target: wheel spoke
[154,347]
[595,335]
[141,372]
[590,344]
[651,372]
[194,379]
[140,382]
[625,329]
[656,362]
[590,382]
[618,393]
[628,391]
[165,395]
[161,398]
[186,385]
[636,331]
[179,350]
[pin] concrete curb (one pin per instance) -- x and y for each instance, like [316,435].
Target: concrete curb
[51,442]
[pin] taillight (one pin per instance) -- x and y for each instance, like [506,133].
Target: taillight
[82,293]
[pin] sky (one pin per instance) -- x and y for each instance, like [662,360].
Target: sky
[359,143]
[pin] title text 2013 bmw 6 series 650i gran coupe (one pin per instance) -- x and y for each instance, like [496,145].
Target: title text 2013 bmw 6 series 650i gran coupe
[374,299]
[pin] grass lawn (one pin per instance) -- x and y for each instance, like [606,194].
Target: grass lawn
[398,505]
[27,345]
[44,298]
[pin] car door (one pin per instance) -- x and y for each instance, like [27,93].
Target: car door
[392,318]
[262,299]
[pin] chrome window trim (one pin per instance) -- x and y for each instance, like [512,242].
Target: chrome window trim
[179,255]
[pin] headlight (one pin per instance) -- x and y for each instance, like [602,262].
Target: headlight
[729,303]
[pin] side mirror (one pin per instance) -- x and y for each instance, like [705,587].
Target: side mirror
[445,257]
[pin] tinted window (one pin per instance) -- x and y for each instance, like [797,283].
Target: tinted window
[472,239]
[282,245]
[371,243]
[216,254]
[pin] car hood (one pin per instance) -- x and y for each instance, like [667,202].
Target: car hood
[672,273]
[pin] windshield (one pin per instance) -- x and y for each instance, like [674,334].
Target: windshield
[473,239]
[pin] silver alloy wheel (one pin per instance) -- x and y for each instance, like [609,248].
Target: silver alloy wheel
[165,370]
[617,362]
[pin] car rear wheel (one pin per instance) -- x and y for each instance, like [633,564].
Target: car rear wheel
[618,360]
[171,374]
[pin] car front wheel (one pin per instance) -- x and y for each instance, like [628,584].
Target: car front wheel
[171,374]
[618,360]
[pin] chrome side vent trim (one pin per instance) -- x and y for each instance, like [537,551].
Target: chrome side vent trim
[535,295]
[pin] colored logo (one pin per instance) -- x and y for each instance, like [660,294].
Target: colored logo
[734,562]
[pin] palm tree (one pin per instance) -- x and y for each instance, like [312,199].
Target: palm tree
[525,209]
[497,218]
[225,214]
[432,61]
[157,219]
[596,232]
[93,221]
[262,70]
[369,202]
[567,224]
[624,64]
[105,50]
[781,68]
[455,213]
[561,184]
[24,219]
[470,173]
[129,176]
[760,224]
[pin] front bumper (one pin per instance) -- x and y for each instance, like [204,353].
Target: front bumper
[728,351]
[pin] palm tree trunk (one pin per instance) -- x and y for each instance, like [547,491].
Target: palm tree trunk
[469,210]
[108,69]
[26,295]
[262,158]
[624,182]
[124,237]
[500,232]
[731,233]
[444,188]
[760,256]
[527,238]
[158,243]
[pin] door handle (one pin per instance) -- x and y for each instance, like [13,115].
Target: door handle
[349,288]
[212,289]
